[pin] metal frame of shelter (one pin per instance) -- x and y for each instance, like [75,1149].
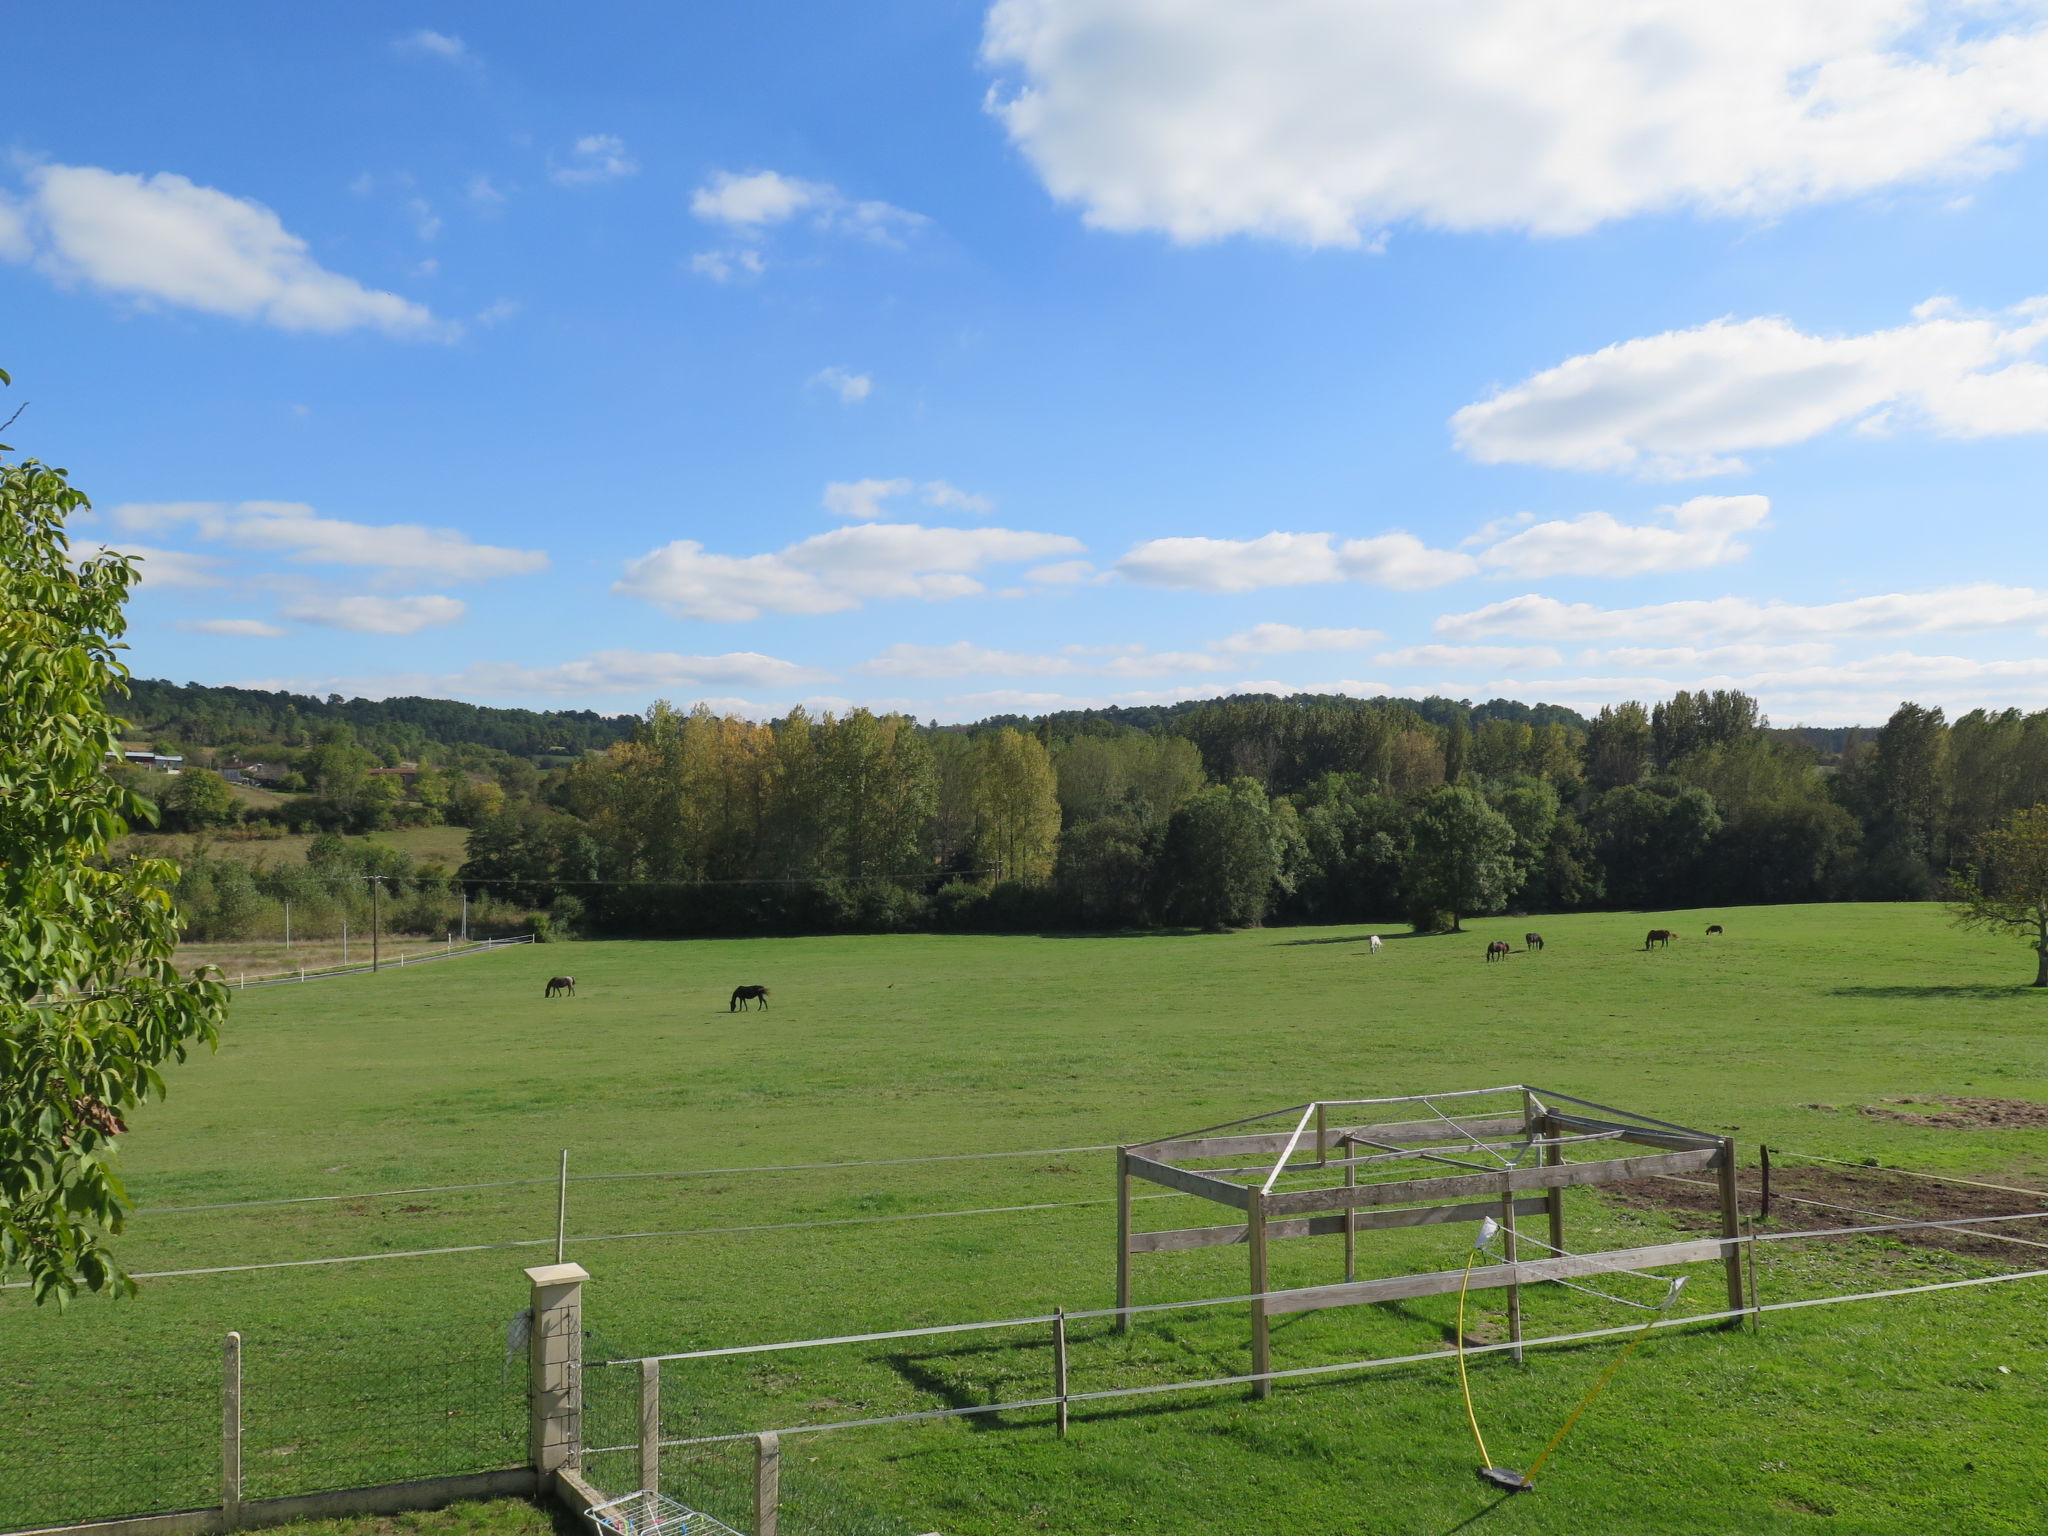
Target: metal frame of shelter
[1341,1169]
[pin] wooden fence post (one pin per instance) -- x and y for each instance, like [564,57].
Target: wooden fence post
[1123,1240]
[1262,1351]
[767,1484]
[650,1425]
[1350,1150]
[1510,1250]
[1731,1224]
[231,1431]
[1059,1366]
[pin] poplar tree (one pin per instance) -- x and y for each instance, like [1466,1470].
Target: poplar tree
[91,1005]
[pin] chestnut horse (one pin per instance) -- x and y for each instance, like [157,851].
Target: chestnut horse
[1532,941]
[1499,949]
[561,984]
[1662,936]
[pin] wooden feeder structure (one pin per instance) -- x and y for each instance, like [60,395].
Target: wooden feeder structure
[1341,1167]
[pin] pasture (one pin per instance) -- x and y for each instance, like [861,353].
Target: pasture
[1891,1416]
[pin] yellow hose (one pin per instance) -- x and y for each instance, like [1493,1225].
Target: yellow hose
[1464,1383]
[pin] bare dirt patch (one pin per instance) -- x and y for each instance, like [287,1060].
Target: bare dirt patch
[1803,1196]
[1963,1114]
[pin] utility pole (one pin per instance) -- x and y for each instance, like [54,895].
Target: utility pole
[287,925]
[465,914]
[376,895]
[344,941]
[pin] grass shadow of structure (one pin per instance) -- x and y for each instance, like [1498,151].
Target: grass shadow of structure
[2015,989]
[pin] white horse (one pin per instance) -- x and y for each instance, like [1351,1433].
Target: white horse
[1373,943]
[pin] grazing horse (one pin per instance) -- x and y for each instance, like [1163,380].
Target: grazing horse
[1714,929]
[1374,944]
[740,995]
[1662,936]
[1499,949]
[561,984]
[1532,941]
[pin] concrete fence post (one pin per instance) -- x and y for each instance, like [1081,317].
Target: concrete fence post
[231,1431]
[555,1358]
[767,1484]
[650,1425]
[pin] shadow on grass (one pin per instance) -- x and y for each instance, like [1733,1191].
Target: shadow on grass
[1473,1519]
[2019,989]
[1352,938]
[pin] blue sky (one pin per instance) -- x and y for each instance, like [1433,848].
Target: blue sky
[966,359]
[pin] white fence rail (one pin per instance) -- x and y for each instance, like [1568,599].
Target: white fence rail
[245,981]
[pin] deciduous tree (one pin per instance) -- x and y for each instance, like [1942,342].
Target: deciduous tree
[2005,886]
[90,1002]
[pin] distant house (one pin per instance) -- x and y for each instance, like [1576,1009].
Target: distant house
[254,773]
[163,762]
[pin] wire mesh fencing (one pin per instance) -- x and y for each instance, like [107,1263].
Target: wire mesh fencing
[103,1434]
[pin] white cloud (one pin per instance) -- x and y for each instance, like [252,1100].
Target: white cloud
[594,158]
[759,200]
[253,629]
[483,195]
[863,498]
[1719,657]
[1982,606]
[1680,404]
[377,615]
[727,266]
[15,242]
[1281,639]
[1397,560]
[629,671]
[832,572]
[425,222]
[1061,573]
[428,44]
[296,531]
[165,239]
[851,387]
[1692,536]
[1469,656]
[1322,121]
[964,659]
[160,567]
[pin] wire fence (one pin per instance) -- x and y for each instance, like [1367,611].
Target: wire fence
[106,1435]
[244,981]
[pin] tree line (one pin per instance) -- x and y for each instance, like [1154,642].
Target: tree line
[1245,811]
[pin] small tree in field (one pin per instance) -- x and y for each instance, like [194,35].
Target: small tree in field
[1461,860]
[90,1004]
[2005,888]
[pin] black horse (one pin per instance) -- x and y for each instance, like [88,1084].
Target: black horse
[1532,941]
[741,995]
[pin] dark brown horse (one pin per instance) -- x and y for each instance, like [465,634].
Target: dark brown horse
[561,984]
[741,995]
[1658,936]
[1532,941]
[1499,949]
[1714,929]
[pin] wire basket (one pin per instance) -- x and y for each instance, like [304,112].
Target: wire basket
[655,1514]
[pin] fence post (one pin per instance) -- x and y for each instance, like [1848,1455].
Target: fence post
[767,1483]
[650,1425]
[1059,1366]
[231,1431]
[555,1363]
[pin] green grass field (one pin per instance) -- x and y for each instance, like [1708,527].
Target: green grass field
[1893,1416]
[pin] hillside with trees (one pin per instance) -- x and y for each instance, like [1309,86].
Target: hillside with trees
[1220,813]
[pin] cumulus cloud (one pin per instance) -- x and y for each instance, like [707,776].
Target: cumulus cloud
[1281,639]
[832,572]
[1470,656]
[1684,403]
[863,498]
[163,239]
[1061,573]
[1322,121]
[1396,560]
[850,387]
[160,567]
[1722,657]
[252,629]
[1692,536]
[1981,606]
[428,44]
[296,531]
[378,615]
[756,201]
[728,266]
[594,158]
[963,658]
[629,671]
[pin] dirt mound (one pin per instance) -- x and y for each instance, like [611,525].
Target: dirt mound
[1964,1114]
[1804,1196]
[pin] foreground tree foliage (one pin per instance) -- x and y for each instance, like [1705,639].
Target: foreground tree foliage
[2005,886]
[90,1004]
